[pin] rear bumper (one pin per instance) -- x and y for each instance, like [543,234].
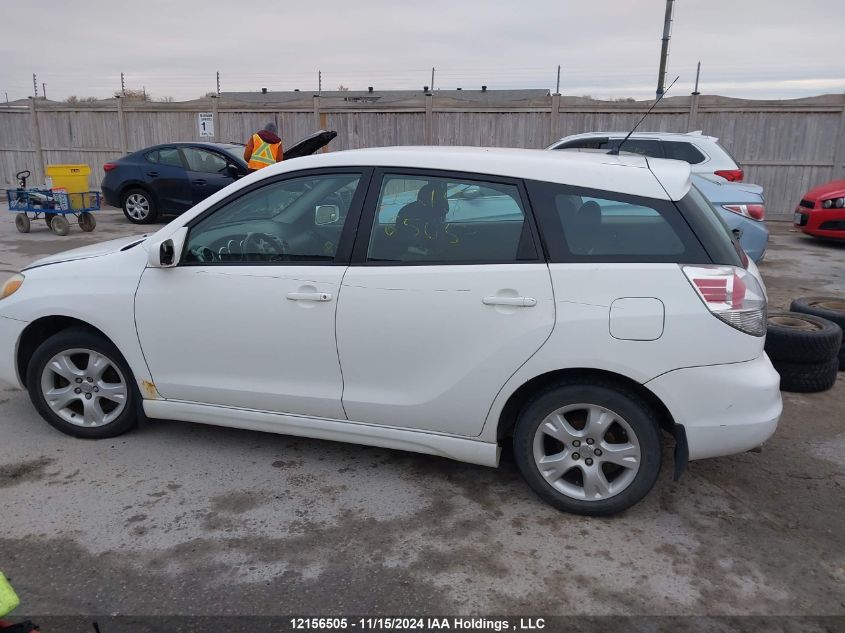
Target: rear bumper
[724,409]
[10,335]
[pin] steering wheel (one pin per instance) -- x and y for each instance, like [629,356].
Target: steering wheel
[263,247]
[205,254]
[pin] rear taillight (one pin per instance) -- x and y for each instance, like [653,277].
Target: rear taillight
[732,294]
[734,175]
[753,211]
[109,166]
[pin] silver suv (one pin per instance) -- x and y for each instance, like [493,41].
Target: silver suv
[704,153]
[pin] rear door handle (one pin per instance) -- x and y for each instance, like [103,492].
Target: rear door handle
[152,174]
[199,181]
[522,302]
[309,296]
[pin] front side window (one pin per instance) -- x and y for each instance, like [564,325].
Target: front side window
[449,220]
[202,160]
[599,226]
[294,220]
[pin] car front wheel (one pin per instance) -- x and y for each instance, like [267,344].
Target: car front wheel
[81,384]
[588,449]
[139,207]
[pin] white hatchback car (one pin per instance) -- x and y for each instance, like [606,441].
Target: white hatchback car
[439,300]
[705,154]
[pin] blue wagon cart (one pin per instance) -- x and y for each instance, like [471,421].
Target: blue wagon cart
[52,206]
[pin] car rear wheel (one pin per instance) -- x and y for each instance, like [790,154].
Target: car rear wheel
[139,206]
[82,386]
[588,448]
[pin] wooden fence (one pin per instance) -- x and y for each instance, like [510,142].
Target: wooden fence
[785,146]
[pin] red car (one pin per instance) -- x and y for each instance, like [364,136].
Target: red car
[821,212]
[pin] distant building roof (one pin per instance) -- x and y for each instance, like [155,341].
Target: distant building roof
[384,96]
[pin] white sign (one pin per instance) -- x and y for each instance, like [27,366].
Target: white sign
[206,123]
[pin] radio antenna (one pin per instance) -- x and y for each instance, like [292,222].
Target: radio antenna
[615,150]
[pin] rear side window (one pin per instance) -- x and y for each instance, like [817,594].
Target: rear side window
[165,156]
[686,152]
[643,146]
[437,220]
[589,225]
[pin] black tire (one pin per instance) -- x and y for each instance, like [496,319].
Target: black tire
[830,308]
[81,338]
[59,225]
[87,221]
[134,201]
[842,358]
[22,222]
[622,402]
[807,378]
[801,338]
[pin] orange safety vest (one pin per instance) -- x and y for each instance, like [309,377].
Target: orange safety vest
[263,153]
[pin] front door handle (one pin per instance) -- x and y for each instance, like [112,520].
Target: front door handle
[522,302]
[152,174]
[309,296]
[199,181]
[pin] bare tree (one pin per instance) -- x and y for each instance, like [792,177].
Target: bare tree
[134,95]
[166,99]
[75,99]
[342,88]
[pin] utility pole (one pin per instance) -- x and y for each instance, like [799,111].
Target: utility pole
[557,88]
[44,90]
[218,83]
[35,84]
[122,85]
[697,74]
[432,78]
[319,82]
[664,47]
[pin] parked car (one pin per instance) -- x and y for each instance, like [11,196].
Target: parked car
[172,177]
[821,212]
[439,300]
[704,153]
[742,207]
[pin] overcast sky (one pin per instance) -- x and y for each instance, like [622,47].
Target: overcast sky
[607,48]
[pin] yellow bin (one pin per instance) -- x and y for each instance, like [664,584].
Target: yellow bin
[73,179]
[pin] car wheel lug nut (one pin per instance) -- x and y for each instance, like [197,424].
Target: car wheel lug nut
[576,456]
[89,379]
[598,452]
[588,461]
[589,440]
[576,443]
[87,396]
[77,390]
[96,388]
[79,380]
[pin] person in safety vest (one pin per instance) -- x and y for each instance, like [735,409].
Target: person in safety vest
[264,148]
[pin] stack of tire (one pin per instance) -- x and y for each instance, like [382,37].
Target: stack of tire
[805,344]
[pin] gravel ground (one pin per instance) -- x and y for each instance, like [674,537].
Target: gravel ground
[178,518]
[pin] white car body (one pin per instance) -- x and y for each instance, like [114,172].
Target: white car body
[713,157]
[422,358]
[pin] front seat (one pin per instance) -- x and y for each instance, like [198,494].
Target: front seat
[419,224]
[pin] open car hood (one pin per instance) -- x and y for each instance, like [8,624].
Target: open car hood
[309,144]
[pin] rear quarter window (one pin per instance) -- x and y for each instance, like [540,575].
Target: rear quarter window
[589,225]
[686,152]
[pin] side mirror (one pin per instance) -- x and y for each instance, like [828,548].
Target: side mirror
[326,214]
[472,192]
[165,253]
[234,171]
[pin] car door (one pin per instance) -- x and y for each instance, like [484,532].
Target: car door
[247,318]
[208,172]
[446,297]
[165,173]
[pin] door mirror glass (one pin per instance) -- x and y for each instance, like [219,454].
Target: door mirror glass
[165,253]
[326,214]
[233,170]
